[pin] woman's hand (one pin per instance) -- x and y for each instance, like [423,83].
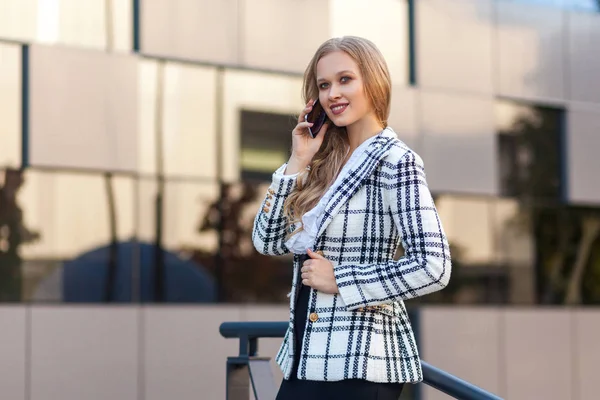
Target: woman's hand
[318,274]
[304,147]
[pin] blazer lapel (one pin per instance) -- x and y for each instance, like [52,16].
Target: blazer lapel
[375,152]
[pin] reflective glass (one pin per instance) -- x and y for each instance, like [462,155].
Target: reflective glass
[182,219]
[85,24]
[57,230]
[270,42]
[529,146]
[583,33]
[458,138]
[187,118]
[259,92]
[581,5]
[492,250]
[204,30]
[454,45]
[583,162]
[530,49]
[248,276]
[18,19]
[10,105]
[384,22]
[264,145]
[83,109]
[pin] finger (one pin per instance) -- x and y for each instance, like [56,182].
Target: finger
[306,110]
[303,127]
[314,255]
[305,282]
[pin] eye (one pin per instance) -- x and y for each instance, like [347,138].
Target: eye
[345,79]
[323,86]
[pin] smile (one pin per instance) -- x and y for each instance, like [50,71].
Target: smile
[338,109]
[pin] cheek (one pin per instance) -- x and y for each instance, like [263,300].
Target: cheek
[356,92]
[322,96]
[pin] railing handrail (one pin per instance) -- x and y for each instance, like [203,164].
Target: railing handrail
[250,332]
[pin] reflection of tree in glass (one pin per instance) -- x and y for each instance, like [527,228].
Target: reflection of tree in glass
[566,237]
[245,274]
[530,155]
[13,234]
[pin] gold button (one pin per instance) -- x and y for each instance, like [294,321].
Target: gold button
[313,317]
[268,204]
[269,197]
[320,253]
[271,191]
[361,309]
[265,209]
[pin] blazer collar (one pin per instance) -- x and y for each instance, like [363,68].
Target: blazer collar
[368,161]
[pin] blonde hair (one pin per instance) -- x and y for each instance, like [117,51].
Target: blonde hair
[328,161]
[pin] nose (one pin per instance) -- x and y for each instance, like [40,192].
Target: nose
[334,93]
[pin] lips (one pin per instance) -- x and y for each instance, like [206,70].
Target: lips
[337,109]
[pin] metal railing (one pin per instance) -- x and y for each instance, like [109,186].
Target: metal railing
[248,370]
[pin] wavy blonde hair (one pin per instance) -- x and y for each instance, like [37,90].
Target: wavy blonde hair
[329,159]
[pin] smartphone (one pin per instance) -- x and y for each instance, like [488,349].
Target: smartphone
[318,117]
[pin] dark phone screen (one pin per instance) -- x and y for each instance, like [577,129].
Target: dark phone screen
[318,117]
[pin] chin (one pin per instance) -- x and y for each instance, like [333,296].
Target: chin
[341,122]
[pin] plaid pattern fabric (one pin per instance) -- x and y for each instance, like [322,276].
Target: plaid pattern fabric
[382,202]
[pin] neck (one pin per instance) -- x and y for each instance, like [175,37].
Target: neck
[362,130]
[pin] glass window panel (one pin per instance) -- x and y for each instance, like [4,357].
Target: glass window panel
[459,144]
[583,142]
[18,19]
[83,109]
[458,36]
[147,108]
[189,126]
[264,147]
[268,41]
[253,91]
[385,23]
[10,105]
[248,276]
[64,221]
[190,239]
[530,51]
[188,112]
[201,30]
[492,250]
[85,24]
[468,225]
[403,117]
[580,5]
[529,146]
[583,31]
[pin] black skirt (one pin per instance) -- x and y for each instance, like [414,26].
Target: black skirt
[295,388]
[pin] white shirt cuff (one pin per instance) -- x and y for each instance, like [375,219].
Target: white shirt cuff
[280,172]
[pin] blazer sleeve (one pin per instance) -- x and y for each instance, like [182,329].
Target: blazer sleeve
[426,265]
[269,230]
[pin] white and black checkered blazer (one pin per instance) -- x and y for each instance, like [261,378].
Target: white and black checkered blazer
[383,201]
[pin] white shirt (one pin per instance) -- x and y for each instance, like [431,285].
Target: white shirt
[304,239]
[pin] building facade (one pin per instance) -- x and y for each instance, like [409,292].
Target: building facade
[129,126]
[137,138]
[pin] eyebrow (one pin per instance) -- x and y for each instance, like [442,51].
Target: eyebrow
[347,71]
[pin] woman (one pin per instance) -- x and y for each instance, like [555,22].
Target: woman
[342,204]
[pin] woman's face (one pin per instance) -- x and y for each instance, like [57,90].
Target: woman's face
[341,89]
